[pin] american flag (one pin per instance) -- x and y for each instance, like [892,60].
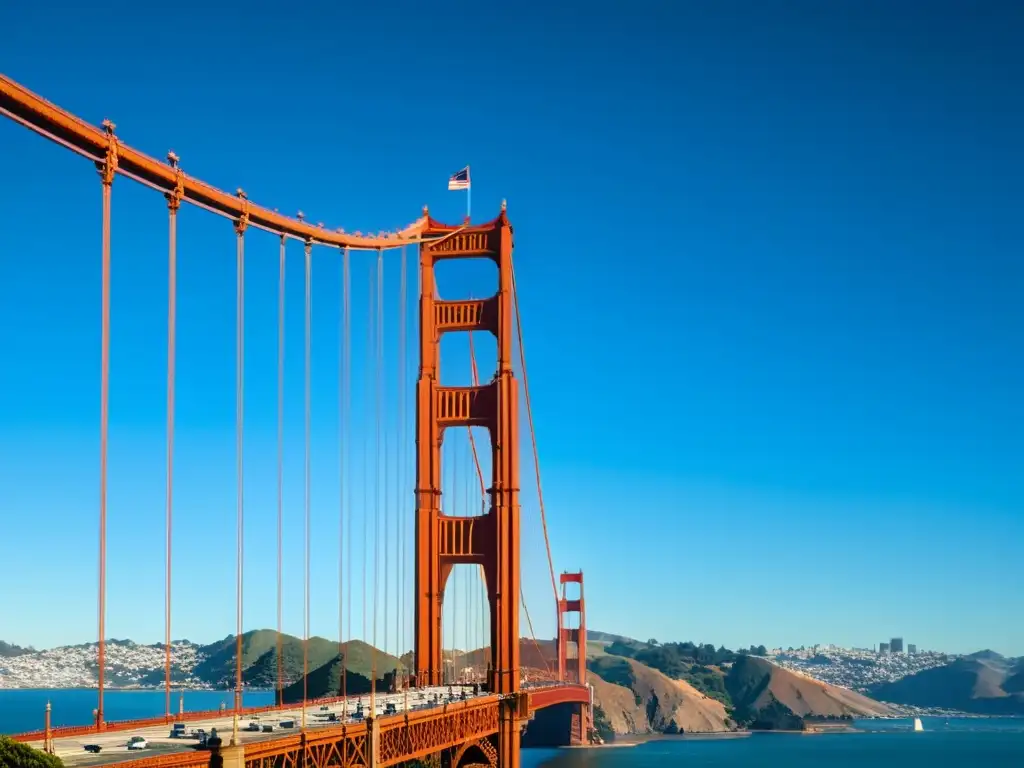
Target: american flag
[459,180]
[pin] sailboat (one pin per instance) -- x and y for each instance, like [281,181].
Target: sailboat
[917,725]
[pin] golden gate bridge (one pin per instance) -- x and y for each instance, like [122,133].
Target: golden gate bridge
[483,728]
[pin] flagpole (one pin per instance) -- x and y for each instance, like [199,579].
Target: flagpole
[469,192]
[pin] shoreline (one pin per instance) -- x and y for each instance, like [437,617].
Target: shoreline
[637,739]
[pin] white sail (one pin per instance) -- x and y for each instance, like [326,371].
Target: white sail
[917,724]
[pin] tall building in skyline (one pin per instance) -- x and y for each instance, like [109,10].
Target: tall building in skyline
[883,648]
[896,645]
[911,648]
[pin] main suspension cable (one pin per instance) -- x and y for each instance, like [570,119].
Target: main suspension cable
[280,472]
[476,460]
[533,434]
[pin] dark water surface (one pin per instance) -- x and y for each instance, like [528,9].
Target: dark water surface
[23,709]
[966,743]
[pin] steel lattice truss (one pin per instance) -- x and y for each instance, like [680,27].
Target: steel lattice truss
[455,731]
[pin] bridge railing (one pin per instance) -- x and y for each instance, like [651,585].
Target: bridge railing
[70,731]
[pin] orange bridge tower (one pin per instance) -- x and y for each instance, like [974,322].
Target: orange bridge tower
[492,539]
[572,669]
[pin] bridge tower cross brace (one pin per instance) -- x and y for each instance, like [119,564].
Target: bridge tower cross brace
[492,539]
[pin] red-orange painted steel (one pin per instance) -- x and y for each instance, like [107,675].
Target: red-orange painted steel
[50,120]
[577,672]
[493,541]
[455,728]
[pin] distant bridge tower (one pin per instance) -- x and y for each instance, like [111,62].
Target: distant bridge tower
[572,669]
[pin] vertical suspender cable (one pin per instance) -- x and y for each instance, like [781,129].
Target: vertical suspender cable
[107,169]
[280,472]
[378,384]
[342,486]
[406,555]
[240,227]
[173,203]
[403,497]
[305,609]
[368,393]
[453,455]
[381,347]
[347,493]
[468,574]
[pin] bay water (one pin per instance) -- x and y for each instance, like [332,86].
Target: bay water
[952,743]
[23,709]
[945,743]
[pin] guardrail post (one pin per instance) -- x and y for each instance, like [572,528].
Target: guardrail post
[47,732]
[232,756]
[372,742]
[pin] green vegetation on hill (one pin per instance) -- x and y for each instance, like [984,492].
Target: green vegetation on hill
[747,681]
[698,665]
[16,755]
[326,681]
[259,659]
[983,683]
[602,726]
[8,650]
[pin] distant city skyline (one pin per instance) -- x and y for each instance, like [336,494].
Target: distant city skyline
[769,266]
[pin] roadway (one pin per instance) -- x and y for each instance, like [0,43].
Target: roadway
[114,744]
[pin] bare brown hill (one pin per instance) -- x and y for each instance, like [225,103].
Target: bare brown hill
[754,683]
[976,684]
[647,701]
[538,658]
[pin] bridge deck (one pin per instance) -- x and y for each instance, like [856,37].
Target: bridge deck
[166,751]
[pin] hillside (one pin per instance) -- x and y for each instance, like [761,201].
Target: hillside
[766,695]
[982,683]
[634,698]
[326,681]
[647,687]
[7,650]
[259,658]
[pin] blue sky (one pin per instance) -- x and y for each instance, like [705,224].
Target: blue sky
[770,265]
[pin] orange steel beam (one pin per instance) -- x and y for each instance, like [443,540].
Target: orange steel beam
[49,120]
